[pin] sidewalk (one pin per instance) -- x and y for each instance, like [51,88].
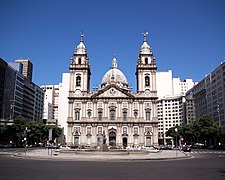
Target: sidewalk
[50,154]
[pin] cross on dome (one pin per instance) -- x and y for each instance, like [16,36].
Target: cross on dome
[145,35]
[81,36]
[114,61]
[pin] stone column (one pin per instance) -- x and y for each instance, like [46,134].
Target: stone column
[69,135]
[130,135]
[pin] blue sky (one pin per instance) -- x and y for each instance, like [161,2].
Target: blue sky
[187,36]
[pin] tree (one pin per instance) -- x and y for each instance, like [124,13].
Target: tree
[203,131]
[172,133]
[31,132]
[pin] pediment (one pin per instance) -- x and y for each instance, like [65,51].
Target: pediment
[113,91]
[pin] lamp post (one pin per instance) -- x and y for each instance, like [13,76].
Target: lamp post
[218,111]
[176,130]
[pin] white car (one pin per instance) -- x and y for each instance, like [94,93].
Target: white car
[64,147]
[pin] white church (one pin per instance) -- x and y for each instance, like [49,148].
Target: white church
[125,118]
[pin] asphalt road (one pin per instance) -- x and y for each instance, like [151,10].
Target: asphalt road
[205,165]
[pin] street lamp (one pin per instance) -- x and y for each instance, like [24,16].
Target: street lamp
[176,130]
[218,111]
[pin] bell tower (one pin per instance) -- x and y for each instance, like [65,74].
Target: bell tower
[146,69]
[80,70]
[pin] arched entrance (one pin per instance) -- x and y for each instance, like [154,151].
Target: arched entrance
[124,142]
[112,138]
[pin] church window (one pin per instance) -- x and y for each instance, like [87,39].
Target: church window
[77,115]
[88,130]
[148,113]
[112,114]
[135,114]
[99,130]
[124,130]
[78,81]
[79,61]
[89,114]
[124,114]
[100,114]
[146,60]
[147,81]
[135,130]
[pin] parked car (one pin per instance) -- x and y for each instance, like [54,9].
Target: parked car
[165,147]
[64,147]
[149,148]
[198,146]
[186,148]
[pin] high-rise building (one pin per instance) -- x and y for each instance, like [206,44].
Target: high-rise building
[27,68]
[51,93]
[38,103]
[3,66]
[20,95]
[56,103]
[189,108]
[171,103]
[170,114]
[209,96]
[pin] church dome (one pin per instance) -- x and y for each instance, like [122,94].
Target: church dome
[114,75]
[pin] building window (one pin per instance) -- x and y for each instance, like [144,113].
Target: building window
[124,130]
[89,114]
[135,130]
[78,81]
[88,130]
[135,114]
[146,60]
[77,115]
[125,114]
[99,130]
[79,61]
[147,81]
[100,114]
[112,114]
[148,113]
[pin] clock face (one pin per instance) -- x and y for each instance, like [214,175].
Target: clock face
[77,92]
[147,91]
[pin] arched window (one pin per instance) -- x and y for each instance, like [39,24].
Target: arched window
[78,81]
[147,81]
[135,114]
[79,61]
[89,114]
[146,60]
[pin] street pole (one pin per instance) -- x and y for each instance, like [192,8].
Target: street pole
[218,110]
[176,141]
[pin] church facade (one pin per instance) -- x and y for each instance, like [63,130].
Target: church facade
[124,118]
